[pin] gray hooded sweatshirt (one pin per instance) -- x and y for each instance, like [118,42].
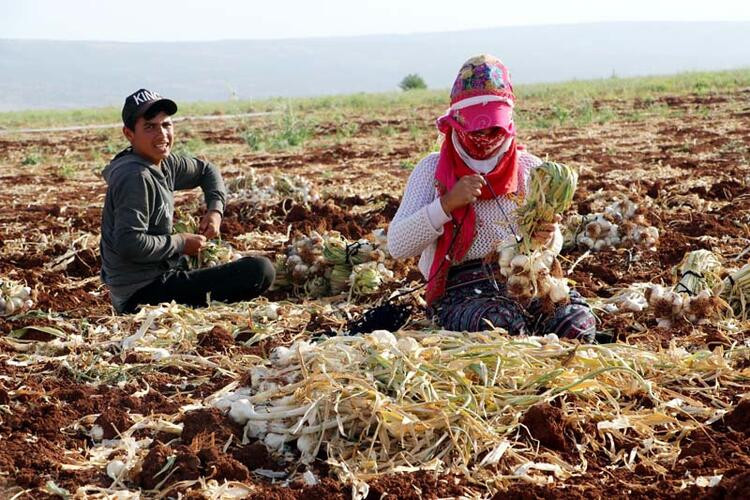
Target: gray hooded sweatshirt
[137,244]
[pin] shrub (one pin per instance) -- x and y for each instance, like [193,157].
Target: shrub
[412,81]
[286,133]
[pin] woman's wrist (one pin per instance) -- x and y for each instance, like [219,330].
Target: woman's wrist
[445,203]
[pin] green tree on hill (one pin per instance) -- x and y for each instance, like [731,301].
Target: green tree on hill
[412,81]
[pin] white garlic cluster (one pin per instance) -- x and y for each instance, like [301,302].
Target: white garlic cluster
[267,312]
[215,254]
[264,189]
[367,277]
[619,225]
[278,420]
[669,305]
[531,275]
[305,258]
[640,235]
[14,297]
[600,233]
[629,301]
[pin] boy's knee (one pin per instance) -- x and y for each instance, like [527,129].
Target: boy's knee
[261,271]
[267,270]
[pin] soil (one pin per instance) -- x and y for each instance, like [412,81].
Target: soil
[113,421]
[209,421]
[546,424]
[739,418]
[215,340]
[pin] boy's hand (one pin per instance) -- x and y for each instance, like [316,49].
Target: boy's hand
[194,243]
[210,224]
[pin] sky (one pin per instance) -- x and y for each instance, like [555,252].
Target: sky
[202,20]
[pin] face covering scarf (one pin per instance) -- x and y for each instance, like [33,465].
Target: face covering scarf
[481,146]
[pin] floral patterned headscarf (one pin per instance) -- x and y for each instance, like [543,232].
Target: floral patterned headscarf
[481,97]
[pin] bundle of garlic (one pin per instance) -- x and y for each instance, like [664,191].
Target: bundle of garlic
[14,297]
[621,210]
[306,258]
[338,278]
[636,231]
[736,292]
[621,224]
[265,188]
[692,298]
[457,401]
[537,274]
[214,253]
[669,305]
[365,251]
[303,262]
[355,265]
[551,193]
[367,277]
[276,419]
[699,270]
[599,232]
[533,271]
[666,304]
[640,236]
[627,300]
[319,266]
[297,188]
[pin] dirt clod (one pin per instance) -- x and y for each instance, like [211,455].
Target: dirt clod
[209,421]
[216,340]
[113,421]
[546,423]
[739,418]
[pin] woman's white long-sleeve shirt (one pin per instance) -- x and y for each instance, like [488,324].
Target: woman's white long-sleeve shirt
[419,221]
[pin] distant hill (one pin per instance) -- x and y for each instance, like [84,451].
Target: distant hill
[57,74]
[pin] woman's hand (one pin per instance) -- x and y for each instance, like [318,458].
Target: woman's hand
[546,231]
[465,191]
[210,223]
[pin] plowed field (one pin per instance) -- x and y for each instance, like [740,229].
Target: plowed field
[683,158]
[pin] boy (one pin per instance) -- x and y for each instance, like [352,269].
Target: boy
[139,252]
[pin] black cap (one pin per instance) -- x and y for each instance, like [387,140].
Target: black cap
[140,102]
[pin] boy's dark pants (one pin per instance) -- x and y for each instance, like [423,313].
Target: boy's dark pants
[243,279]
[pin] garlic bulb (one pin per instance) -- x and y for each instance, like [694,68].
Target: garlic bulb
[559,290]
[620,224]
[97,433]
[241,411]
[275,442]
[306,444]
[383,338]
[15,298]
[115,469]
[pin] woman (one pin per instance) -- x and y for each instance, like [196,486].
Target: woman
[460,204]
